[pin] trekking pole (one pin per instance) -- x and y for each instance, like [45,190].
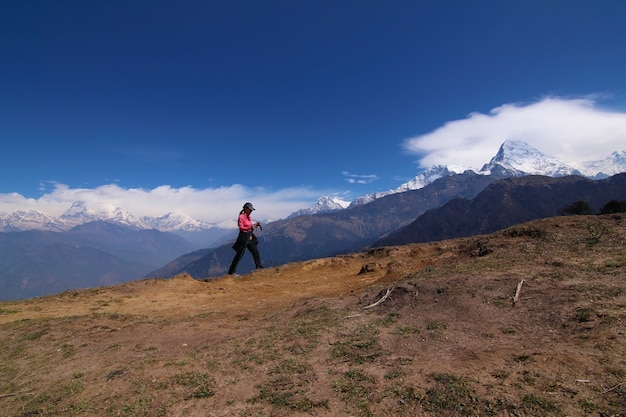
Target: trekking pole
[266,247]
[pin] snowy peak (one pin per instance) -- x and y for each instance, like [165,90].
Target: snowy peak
[175,221]
[425,178]
[322,205]
[613,164]
[19,220]
[79,214]
[121,216]
[420,181]
[516,158]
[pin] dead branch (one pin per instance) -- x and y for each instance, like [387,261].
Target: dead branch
[389,290]
[13,394]
[611,389]
[517,292]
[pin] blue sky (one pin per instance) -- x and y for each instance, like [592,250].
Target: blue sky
[199,106]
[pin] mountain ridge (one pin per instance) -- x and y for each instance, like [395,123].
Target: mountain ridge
[514,158]
[506,202]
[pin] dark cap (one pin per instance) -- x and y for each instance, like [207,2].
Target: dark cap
[248,206]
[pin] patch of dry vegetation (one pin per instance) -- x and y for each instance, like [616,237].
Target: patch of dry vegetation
[426,329]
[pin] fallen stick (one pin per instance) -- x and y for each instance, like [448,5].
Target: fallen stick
[389,290]
[611,389]
[517,291]
[13,394]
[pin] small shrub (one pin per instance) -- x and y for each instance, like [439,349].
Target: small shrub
[500,374]
[524,231]
[393,374]
[583,315]
[405,331]
[200,383]
[357,389]
[535,405]
[595,233]
[577,208]
[360,348]
[436,329]
[614,206]
[450,393]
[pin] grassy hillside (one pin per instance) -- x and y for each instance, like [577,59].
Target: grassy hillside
[527,321]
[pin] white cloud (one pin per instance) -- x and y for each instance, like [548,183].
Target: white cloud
[215,205]
[572,130]
[359,178]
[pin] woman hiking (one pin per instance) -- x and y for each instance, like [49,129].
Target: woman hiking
[246,239]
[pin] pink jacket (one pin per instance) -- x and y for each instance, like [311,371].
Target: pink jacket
[245,223]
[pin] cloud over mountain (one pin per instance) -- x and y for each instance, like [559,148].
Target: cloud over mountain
[572,130]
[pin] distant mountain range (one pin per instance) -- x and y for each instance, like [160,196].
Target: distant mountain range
[513,159]
[79,214]
[83,248]
[93,254]
[516,158]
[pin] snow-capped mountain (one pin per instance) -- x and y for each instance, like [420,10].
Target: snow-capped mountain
[613,164]
[79,214]
[516,158]
[323,204]
[19,220]
[420,181]
[175,221]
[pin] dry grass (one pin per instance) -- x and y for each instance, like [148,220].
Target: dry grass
[299,340]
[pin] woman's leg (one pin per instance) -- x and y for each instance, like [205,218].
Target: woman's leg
[254,250]
[236,259]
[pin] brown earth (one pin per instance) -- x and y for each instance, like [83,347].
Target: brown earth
[423,329]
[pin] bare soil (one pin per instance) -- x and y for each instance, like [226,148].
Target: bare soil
[529,321]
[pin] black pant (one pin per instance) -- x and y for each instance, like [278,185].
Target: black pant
[243,242]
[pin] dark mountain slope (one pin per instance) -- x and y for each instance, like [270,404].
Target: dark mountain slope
[36,263]
[175,266]
[326,234]
[147,246]
[508,202]
[37,269]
